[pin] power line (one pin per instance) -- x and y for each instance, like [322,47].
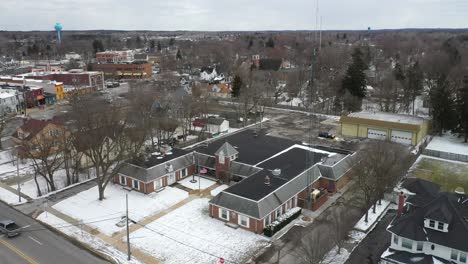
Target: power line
[185,244]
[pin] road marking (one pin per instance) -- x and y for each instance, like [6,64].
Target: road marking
[18,252]
[26,226]
[35,240]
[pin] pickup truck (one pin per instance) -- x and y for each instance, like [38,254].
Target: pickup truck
[9,228]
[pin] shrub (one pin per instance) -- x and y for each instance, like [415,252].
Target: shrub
[282,221]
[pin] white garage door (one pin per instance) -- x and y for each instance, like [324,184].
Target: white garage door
[377,134]
[402,137]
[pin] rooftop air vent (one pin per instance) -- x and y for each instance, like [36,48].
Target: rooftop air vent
[276,172]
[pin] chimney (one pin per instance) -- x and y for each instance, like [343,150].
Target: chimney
[267,180]
[401,203]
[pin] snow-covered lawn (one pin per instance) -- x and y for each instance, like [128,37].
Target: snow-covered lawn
[201,183]
[361,225]
[10,198]
[189,235]
[85,237]
[85,205]
[448,143]
[219,189]
[30,189]
[8,165]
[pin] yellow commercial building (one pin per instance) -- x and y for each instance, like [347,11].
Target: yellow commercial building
[405,129]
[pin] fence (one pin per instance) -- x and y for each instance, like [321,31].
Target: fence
[446,155]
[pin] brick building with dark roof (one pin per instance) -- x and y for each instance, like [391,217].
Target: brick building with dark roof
[267,175]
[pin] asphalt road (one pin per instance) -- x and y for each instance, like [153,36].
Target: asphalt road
[40,246]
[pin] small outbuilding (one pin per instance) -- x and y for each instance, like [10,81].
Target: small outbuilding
[404,129]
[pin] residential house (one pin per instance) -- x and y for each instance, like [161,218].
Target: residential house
[268,175]
[212,125]
[208,74]
[34,131]
[431,227]
[11,101]
[220,90]
[404,129]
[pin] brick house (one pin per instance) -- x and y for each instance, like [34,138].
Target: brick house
[267,175]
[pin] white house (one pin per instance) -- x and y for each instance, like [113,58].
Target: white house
[217,125]
[10,101]
[433,229]
[208,74]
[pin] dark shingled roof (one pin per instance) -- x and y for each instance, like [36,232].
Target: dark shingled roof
[425,191]
[270,64]
[291,163]
[252,149]
[407,257]
[446,207]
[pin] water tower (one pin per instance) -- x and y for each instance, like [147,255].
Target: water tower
[58,28]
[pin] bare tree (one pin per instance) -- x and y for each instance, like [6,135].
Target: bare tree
[45,151]
[379,166]
[101,132]
[311,246]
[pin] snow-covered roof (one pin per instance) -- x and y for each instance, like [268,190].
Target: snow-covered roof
[389,117]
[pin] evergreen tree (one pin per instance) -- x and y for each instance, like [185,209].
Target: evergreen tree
[98,46]
[179,55]
[236,86]
[152,45]
[414,81]
[138,42]
[354,83]
[159,46]
[250,44]
[270,43]
[171,42]
[463,108]
[442,103]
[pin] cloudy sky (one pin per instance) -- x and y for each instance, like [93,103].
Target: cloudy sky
[231,14]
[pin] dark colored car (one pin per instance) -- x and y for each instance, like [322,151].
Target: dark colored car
[326,135]
[9,228]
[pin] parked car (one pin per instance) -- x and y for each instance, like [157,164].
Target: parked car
[9,228]
[326,135]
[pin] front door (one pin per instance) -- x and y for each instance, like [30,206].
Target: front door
[172,178]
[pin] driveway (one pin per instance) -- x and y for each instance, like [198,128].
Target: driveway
[374,244]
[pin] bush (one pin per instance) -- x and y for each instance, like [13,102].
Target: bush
[281,222]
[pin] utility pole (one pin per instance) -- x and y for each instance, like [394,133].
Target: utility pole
[128,233]
[17,174]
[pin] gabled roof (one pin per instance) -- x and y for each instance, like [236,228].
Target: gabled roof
[34,126]
[227,150]
[425,191]
[446,207]
[407,257]
[270,64]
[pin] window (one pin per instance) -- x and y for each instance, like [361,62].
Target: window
[223,214]
[184,172]
[406,243]
[243,220]
[278,212]
[157,184]
[454,254]
[267,220]
[136,184]
[440,226]
[432,223]
[395,239]
[123,180]
[463,257]
[419,246]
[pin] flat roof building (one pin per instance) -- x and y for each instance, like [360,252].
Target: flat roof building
[405,129]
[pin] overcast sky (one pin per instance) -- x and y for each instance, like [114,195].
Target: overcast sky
[231,14]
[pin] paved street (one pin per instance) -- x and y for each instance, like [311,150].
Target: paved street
[39,245]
